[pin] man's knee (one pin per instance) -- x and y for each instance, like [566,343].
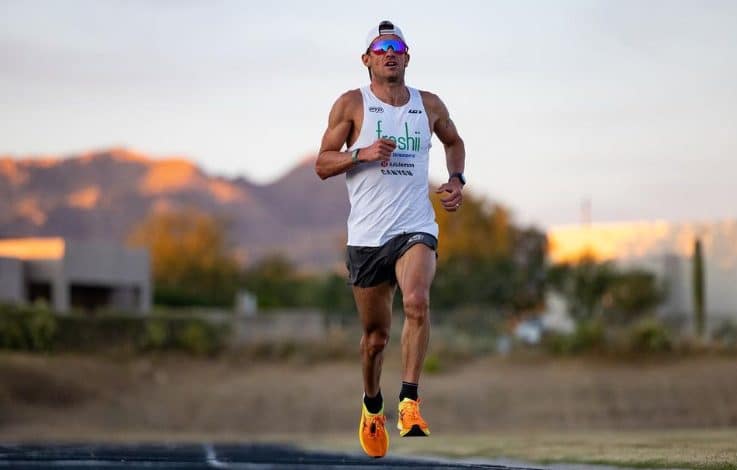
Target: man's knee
[416,305]
[375,340]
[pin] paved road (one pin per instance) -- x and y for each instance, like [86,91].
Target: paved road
[187,456]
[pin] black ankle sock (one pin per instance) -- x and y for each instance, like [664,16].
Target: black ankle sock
[409,390]
[373,404]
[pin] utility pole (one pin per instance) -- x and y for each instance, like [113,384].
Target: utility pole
[586,211]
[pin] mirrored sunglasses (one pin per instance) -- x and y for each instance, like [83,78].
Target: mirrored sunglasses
[382,46]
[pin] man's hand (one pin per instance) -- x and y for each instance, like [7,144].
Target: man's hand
[381,150]
[455,199]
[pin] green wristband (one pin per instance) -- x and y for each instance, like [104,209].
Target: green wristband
[354,156]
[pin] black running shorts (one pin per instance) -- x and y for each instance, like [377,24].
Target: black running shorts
[371,265]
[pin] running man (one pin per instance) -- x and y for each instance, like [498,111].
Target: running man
[392,234]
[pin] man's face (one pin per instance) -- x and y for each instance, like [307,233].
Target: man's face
[387,63]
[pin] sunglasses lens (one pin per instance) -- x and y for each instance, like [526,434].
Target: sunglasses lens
[382,46]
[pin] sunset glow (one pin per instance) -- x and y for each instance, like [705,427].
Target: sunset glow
[32,248]
[634,240]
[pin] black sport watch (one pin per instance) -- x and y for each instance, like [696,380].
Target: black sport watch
[460,178]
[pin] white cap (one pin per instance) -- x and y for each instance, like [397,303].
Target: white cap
[385,27]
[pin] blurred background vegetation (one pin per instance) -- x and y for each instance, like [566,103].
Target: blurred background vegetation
[484,260]
[492,276]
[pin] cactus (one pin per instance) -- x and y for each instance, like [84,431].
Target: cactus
[698,289]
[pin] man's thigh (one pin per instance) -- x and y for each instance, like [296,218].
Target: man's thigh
[415,269]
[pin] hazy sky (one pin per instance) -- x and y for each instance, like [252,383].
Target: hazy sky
[631,104]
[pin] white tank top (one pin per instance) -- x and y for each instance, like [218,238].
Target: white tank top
[391,198]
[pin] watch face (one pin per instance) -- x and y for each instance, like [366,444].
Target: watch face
[460,177]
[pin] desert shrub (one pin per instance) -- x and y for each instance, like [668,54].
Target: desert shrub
[191,335]
[78,332]
[30,328]
[156,335]
[726,334]
[199,338]
[432,364]
[588,336]
[11,332]
[41,329]
[649,335]
[36,328]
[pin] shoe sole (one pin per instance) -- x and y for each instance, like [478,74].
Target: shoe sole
[415,431]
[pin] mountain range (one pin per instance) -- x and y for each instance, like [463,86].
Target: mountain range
[105,194]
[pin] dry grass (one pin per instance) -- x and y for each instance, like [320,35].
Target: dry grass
[535,408]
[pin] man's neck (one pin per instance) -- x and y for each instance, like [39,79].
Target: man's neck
[393,93]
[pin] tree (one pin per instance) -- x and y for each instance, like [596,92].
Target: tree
[480,230]
[334,295]
[191,259]
[529,253]
[698,288]
[275,283]
[600,290]
[483,259]
[632,294]
[583,285]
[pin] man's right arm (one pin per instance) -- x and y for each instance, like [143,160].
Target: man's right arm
[331,161]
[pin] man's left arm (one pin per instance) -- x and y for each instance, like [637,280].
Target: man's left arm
[455,153]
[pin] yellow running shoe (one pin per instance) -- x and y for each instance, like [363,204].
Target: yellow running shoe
[372,433]
[409,421]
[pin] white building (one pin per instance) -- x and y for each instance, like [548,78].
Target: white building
[666,249]
[74,274]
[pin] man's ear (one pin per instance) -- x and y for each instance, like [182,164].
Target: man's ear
[406,62]
[365,59]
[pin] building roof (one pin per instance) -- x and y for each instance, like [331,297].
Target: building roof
[636,240]
[32,248]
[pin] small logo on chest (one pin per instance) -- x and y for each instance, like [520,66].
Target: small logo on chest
[376,109]
[415,111]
